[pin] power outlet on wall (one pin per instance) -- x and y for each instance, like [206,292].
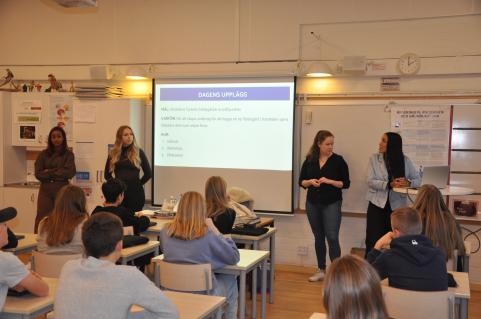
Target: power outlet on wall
[302,250]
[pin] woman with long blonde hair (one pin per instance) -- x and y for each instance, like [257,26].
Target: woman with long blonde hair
[439,224]
[352,290]
[60,232]
[192,238]
[218,207]
[125,161]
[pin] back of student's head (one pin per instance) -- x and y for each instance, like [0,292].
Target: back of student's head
[68,212]
[112,188]
[439,224]
[101,233]
[407,221]
[352,290]
[189,221]
[216,197]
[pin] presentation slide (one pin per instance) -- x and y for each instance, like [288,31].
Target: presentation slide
[239,129]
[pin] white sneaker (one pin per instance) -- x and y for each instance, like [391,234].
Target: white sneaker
[319,275]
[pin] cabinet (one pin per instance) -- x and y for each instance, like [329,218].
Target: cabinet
[92,139]
[25,201]
[13,163]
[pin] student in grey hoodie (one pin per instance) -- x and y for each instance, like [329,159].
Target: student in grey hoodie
[191,238]
[411,262]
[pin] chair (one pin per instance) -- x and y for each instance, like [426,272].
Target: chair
[408,304]
[50,265]
[185,277]
[128,230]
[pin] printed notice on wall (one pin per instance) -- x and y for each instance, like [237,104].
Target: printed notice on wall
[425,133]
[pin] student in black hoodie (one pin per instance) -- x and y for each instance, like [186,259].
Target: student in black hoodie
[113,190]
[411,262]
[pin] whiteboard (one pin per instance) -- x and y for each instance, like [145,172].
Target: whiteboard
[357,131]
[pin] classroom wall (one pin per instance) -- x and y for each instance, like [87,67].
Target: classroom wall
[182,38]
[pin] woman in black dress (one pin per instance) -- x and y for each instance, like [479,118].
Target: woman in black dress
[125,161]
[54,167]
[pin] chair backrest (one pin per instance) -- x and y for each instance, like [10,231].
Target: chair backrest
[408,304]
[128,230]
[183,277]
[50,265]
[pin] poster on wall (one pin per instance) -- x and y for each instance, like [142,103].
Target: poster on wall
[61,113]
[28,112]
[425,132]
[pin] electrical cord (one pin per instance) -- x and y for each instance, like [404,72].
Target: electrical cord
[475,235]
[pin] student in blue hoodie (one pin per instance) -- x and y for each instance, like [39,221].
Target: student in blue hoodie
[411,262]
[192,238]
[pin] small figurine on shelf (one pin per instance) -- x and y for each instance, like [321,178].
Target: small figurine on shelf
[72,87]
[38,86]
[31,86]
[24,87]
[8,79]
[54,84]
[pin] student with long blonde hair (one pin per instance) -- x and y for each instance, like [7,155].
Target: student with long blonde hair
[218,207]
[125,161]
[192,238]
[439,224]
[352,290]
[61,232]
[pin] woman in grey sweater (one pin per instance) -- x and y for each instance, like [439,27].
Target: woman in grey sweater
[193,239]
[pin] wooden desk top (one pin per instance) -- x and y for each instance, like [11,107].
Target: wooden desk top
[29,242]
[447,191]
[190,306]
[248,258]
[128,252]
[161,222]
[317,315]
[463,290]
[28,304]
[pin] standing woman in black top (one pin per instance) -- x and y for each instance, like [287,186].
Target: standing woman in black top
[125,161]
[53,168]
[324,174]
[217,203]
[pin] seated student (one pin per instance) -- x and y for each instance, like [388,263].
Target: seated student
[60,232]
[411,262]
[439,224]
[352,289]
[95,287]
[217,202]
[13,273]
[113,190]
[192,239]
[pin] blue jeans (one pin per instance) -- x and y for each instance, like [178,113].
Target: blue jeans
[325,221]
[226,286]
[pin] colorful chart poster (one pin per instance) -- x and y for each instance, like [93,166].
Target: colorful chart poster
[425,133]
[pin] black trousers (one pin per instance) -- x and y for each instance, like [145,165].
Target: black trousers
[378,223]
[134,196]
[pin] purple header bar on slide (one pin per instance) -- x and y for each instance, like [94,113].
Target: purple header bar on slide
[278,93]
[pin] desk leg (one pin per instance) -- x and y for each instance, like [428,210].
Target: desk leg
[156,275]
[242,295]
[264,284]
[218,313]
[254,292]
[272,250]
[463,309]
